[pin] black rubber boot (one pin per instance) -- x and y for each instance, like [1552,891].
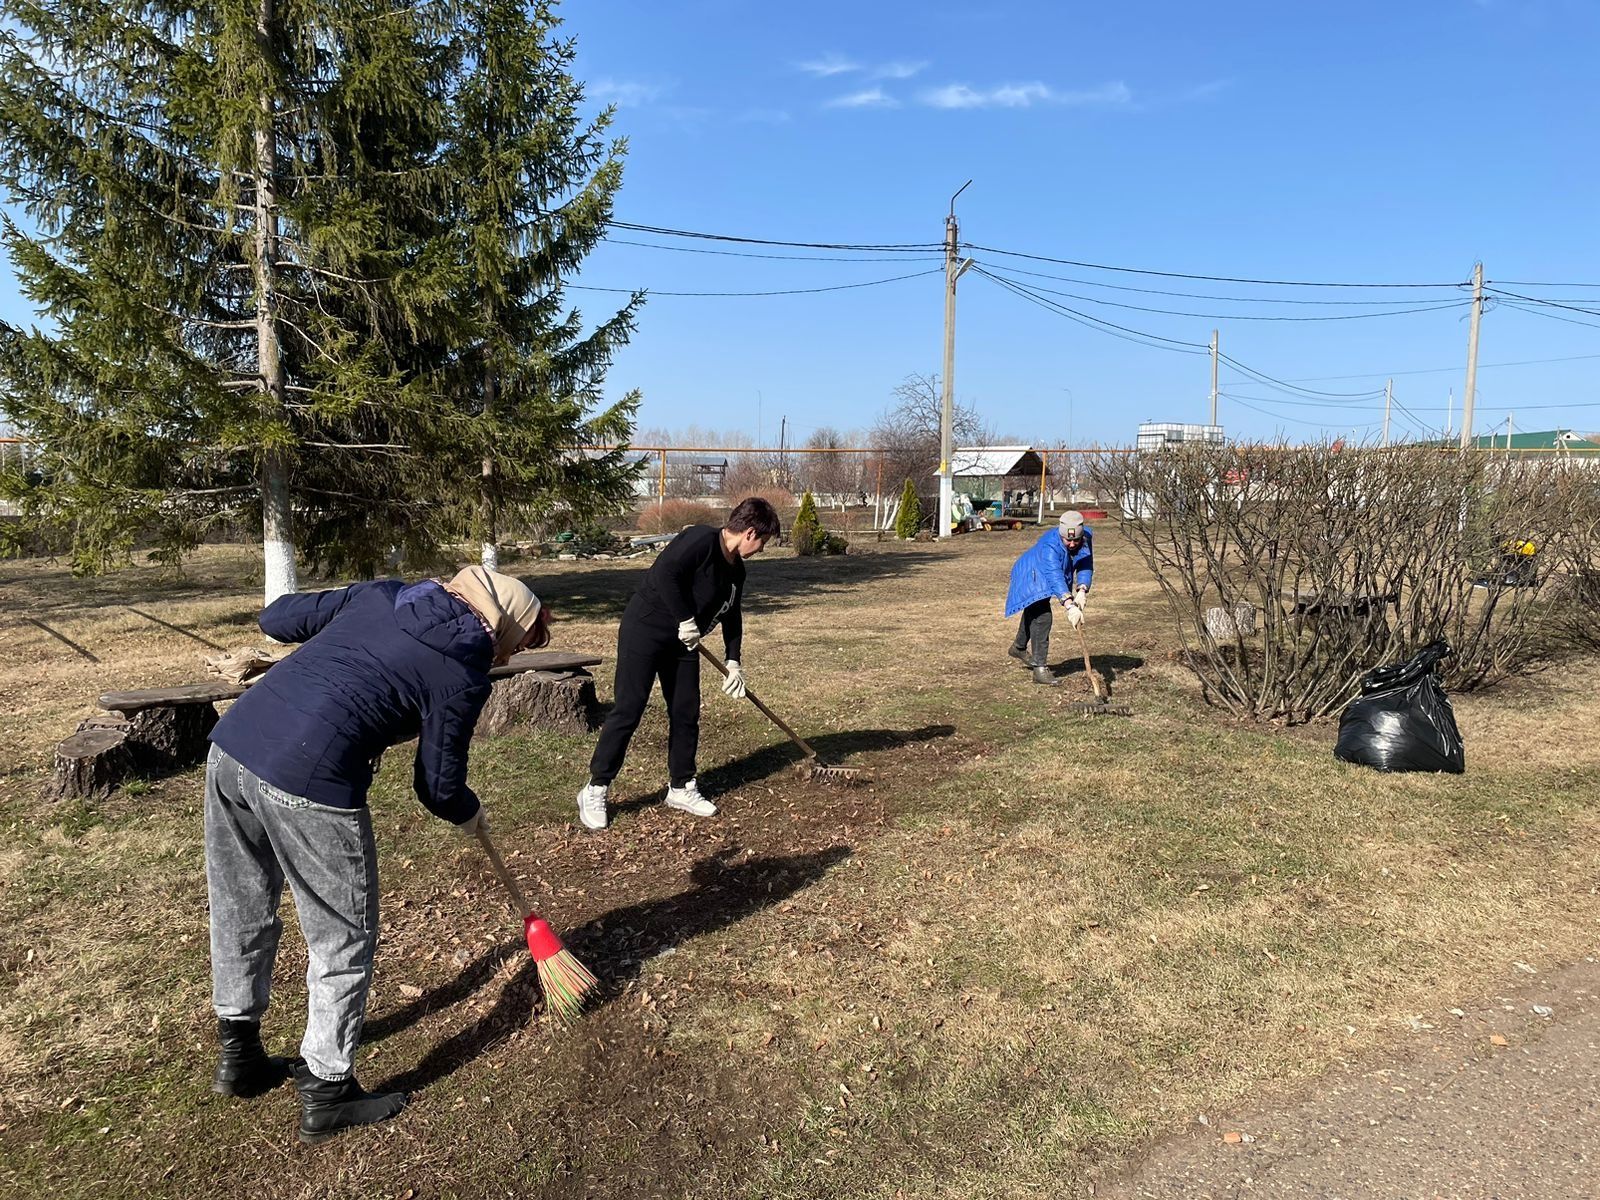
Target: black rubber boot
[328,1106]
[1017,652]
[245,1068]
[1045,676]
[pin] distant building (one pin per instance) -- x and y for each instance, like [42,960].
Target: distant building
[1163,435]
[1560,442]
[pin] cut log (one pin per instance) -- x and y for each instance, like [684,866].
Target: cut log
[1225,624]
[563,701]
[170,739]
[89,765]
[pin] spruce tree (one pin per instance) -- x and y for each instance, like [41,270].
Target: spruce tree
[908,518]
[533,184]
[301,266]
[230,260]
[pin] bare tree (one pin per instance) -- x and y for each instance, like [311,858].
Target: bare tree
[907,433]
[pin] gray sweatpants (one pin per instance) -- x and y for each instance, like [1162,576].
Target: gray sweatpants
[257,838]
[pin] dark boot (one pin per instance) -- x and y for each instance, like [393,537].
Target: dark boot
[330,1105]
[1045,676]
[245,1068]
[1020,653]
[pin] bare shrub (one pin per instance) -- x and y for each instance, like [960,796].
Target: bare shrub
[1351,557]
[672,515]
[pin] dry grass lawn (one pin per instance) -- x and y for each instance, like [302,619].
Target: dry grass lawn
[1036,942]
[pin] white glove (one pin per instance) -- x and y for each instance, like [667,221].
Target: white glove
[1074,615]
[689,632]
[478,820]
[1080,597]
[734,683]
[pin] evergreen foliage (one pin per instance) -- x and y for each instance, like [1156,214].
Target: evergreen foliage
[301,266]
[908,519]
[807,536]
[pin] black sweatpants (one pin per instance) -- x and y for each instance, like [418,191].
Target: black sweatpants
[646,653]
[1035,627]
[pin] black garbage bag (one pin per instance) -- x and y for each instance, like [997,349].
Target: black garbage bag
[1402,721]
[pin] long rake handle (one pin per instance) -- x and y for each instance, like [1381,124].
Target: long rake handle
[517,898]
[1094,684]
[756,700]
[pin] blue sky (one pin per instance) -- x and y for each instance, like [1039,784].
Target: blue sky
[1361,142]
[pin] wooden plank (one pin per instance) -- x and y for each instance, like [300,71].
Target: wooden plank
[543,660]
[221,689]
[193,693]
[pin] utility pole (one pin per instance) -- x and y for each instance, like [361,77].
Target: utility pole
[1213,376]
[1509,431]
[952,272]
[1472,356]
[783,459]
[1388,398]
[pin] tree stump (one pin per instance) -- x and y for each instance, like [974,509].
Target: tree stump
[90,765]
[1224,624]
[563,701]
[169,738]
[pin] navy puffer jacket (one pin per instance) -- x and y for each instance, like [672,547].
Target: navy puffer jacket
[383,662]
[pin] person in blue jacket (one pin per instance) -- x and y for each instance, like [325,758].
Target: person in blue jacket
[1060,565]
[286,802]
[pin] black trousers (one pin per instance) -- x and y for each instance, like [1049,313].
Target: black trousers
[646,653]
[1035,627]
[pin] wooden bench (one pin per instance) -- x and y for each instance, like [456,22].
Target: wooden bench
[158,730]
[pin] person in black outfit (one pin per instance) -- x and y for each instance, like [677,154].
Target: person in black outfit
[696,582]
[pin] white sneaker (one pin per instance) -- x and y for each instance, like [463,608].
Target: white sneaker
[689,799]
[592,805]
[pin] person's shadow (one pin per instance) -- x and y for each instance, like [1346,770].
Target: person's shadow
[1109,666]
[835,749]
[614,946]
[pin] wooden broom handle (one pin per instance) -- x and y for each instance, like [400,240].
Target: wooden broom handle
[749,695]
[517,898]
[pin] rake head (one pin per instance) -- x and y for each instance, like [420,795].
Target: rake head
[824,773]
[1100,708]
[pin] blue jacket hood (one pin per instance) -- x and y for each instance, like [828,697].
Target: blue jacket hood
[444,623]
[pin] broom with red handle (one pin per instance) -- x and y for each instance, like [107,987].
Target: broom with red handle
[565,981]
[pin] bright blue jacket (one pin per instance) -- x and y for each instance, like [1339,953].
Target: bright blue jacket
[1044,568]
[383,662]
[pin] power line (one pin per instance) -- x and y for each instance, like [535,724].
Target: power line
[1431,306]
[1154,340]
[838,287]
[1548,303]
[784,257]
[1068,262]
[1550,316]
[1122,287]
[664,231]
[1295,388]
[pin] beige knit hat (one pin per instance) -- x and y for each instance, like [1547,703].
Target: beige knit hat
[506,605]
[1071,521]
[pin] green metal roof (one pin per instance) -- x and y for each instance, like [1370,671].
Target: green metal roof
[1548,439]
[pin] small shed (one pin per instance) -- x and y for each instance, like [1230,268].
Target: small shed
[998,472]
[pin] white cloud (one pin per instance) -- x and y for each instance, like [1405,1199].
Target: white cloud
[866,98]
[898,70]
[624,93]
[829,65]
[1025,95]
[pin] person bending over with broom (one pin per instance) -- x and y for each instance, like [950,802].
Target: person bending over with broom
[286,801]
[1060,566]
[697,581]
